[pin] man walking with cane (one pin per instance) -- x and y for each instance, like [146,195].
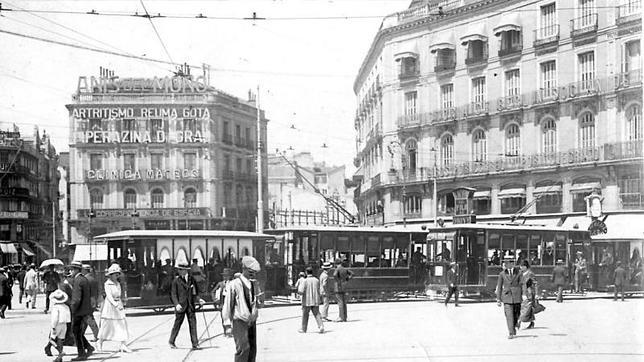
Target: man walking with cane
[185,295]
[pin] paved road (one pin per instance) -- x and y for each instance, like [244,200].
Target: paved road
[581,330]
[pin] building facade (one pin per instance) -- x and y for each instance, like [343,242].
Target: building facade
[534,104]
[161,153]
[28,197]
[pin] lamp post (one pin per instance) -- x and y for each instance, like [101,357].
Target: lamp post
[435,191]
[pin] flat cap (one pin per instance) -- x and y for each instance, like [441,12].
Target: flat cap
[251,263]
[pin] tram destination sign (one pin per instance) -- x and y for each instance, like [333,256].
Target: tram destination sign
[145,213]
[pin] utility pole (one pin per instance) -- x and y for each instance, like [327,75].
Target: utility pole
[435,194]
[53,228]
[260,202]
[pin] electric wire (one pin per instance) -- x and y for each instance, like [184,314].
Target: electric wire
[147,15]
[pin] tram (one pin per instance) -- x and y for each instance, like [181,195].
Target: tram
[478,250]
[148,257]
[606,250]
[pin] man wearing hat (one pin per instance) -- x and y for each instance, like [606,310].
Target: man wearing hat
[31,286]
[93,298]
[240,311]
[325,293]
[580,271]
[509,291]
[451,282]
[341,275]
[620,279]
[81,307]
[220,290]
[559,277]
[185,296]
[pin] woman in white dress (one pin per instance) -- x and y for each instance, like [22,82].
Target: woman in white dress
[113,323]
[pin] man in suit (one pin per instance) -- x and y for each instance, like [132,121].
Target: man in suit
[240,311]
[5,292]
[341,275]
[452,284]
[559,277]
[185,296]
[21,282]
[81,307]
[51,279]
[325,291]
[509,291]
[620,279]
[310,292]
[93,298]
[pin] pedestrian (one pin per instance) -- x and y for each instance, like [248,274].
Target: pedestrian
[81,308]
[509,292]
[240,311]
[451,282]
[309,289]
[31,286]
[220,291]
[60,318]
[5,292]
[21,282]
[93,298]
[620,279]
[559,279]
[301,276]
[530,289]
[325,291]
[113,322]
[185,296]
[51,279]
[341,275]
[580,272]
[10,280]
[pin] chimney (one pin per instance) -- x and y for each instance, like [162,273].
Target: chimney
[251,97]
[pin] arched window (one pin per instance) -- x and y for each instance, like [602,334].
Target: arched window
[245,252]
[96,199]
[182,258]
[634,123]
[549,136]
[129,199]
[447,150]
[479,146]
[587,131]
[156,199]
[411,147]
[214,254]
[164,255]
[190,198]
[197,254]
[512,140]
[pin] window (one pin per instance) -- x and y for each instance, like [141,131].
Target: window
[156,125]
[413,204]
[447,150]
[510,41]
[586,13]
[239,190]
[512,83]
[412,149]
[634,123]
[228,192]
[96,199]
[227,165]
[548,22]
[630,192]
[512,140]
[446,203]
[248,136]
[189,125]
[587,131]
[249,167]
[237,132]
[410,104]
[510,205]
[129,199]
[238,165]
[156,161]
[320,178]
[447,96]
[586,70]
[95,161]
[479,146]
[549,136]
[476,50]
[408,67]
[129,125]
[548,79]
[190,198]
[190,161]
[445,59]
[129,161]
[632,59]
[478,90]
[225,129]
[156,199]
[250,200]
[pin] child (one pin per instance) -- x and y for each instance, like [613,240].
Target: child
[60,317]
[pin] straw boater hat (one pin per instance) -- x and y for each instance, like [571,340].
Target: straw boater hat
[326,265]
[183,266]
[113,269]
[58,297]
[76,264]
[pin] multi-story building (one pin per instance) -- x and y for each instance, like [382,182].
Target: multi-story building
[534,104]
[28,197]
[161,153]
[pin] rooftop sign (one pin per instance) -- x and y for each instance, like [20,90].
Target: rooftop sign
[142,85]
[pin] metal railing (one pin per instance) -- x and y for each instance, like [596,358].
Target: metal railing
[480,58]
[409,74]
[632,78]
[413,120]
[582,25]
[629,11]
[444,115]
[505,51]
[632,200]
[510,102]
[546,35]
[474,109]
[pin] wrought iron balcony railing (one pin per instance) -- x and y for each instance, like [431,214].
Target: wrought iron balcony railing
[583,25]
[546,35]
[629,12]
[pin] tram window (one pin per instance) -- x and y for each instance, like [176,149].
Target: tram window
[164,254]
[521,248]
[373,252]
[560,247]
[445,248]
[358,258]
[493,249]
[388,252]
[326,248]
[214,255]
[400,254]
[273,253]
[534,250]
[312,249]
[548,256]
[507,246]
[199,256]
[245,252]
[182,258]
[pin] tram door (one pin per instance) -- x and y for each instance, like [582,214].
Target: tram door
[470,256]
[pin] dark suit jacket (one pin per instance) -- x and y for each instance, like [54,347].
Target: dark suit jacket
[341,276]
[620,276]
[510,288]
[450,277]
[81,304]
[184,293]
[559,275]
[51,279]
[5,288]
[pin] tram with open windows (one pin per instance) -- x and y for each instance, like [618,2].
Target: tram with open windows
[148,258]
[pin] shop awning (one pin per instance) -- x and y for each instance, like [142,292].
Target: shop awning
[582,222]
[482,194]
[444,41]
[27,250]
[510,21]
[474,32]
[623,227]
[547,190]
[507,193]
[89,252]
[406,50]
[585,187]
[8,248]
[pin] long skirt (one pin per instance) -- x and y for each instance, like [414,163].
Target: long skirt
[527,311]
[113,330]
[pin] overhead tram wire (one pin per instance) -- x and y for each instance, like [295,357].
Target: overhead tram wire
[147,15]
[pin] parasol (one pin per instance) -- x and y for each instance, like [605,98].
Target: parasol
[49,262]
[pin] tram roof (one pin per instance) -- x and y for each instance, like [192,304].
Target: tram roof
[352,229]
[139,234]
[508,227]
[418,228]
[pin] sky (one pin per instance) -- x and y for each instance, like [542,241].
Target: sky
[303,58]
